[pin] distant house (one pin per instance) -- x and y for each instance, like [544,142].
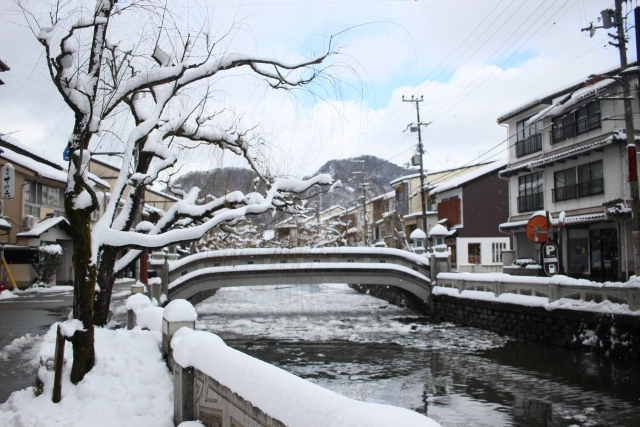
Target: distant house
[36,213]
[569,154]
[472,207]
[408,201]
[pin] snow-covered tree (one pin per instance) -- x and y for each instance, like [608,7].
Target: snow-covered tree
[103,76]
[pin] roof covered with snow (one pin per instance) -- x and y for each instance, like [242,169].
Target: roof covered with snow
[618,135]
[574,219]
[470,176]
[548,98]
[36,161]
[45,225]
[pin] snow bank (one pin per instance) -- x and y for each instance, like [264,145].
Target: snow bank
[607,307]
[284,396]
[129,386]
[138,302]
[16,346]
[180,310]
[40,288]
[7,294]
[150,318]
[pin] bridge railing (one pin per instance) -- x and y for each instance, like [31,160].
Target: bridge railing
[554,288]
[172,270]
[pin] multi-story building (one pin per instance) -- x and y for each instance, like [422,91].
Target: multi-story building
[471,207]
[409,202]
[567,153]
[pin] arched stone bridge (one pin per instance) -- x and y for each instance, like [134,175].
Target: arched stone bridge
[198,276]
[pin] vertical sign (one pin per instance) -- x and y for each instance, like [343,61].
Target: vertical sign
[8,181]
[550,261]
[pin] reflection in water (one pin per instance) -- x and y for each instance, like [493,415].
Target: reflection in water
[363,348]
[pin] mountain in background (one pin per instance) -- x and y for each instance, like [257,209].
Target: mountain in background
[378,173]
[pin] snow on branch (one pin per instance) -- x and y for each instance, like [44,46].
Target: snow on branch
[256,204]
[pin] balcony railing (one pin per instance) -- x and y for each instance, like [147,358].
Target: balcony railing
[531,144]
[582,125]
[582,189]
[532,202]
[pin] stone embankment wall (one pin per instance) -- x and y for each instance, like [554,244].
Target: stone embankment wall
[610,334]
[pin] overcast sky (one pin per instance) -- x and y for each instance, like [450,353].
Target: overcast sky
[471,60]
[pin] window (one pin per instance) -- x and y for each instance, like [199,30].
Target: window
[530,193]
[590,181]
[496,252]
[38,195]
[576,122]
[474,253]
[418,243]
[529,138]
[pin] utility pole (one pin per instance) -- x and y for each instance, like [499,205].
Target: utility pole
[421,152]
[610,19]
[364,185]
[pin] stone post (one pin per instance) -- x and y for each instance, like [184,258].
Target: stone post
[433,268]
[165,277]
[176,314]
[183,394]
[131,319]
[137,289]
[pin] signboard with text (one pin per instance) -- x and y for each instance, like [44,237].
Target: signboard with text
[550,259]
[8,181]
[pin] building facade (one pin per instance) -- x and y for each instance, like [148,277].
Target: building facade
[567,153]
[472,207]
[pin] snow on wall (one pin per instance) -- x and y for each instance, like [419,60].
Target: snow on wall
[554,280]
[283,396]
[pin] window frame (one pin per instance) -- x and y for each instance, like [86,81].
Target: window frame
[475,258]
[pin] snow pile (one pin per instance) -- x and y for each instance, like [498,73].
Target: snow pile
[129,386]
[284,396]
[51,249]
[148,315]
[43,288]
[17,345]
[606,306]
[417,234]
[70,327]
[180,310]
[7,294]
[438,230]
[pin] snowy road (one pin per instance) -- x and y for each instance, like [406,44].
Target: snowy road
[367,349]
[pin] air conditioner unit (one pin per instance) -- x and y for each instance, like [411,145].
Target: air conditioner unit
[29,222]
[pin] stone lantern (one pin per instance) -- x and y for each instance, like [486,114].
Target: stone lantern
[419,240]
[176,314]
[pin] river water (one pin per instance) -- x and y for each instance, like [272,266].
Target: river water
[364,348]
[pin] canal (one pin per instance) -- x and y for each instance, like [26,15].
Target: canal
[364,348]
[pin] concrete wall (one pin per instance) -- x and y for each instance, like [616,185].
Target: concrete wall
[200,397]
[616,335]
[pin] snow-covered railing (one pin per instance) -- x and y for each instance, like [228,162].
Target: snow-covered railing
[222,386]
[554,288]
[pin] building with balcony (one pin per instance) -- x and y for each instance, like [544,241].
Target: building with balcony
[567,153]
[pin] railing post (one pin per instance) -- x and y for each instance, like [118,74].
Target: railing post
[183,394]
[177,313]
[165,277]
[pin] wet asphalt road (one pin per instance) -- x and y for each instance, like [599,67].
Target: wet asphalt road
[29,315]
[21,316]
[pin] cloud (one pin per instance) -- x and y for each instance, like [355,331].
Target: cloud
[472,61]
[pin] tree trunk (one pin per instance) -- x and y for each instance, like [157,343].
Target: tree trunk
[106,279]
[83,293]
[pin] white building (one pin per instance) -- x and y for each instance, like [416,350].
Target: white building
[567,152]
